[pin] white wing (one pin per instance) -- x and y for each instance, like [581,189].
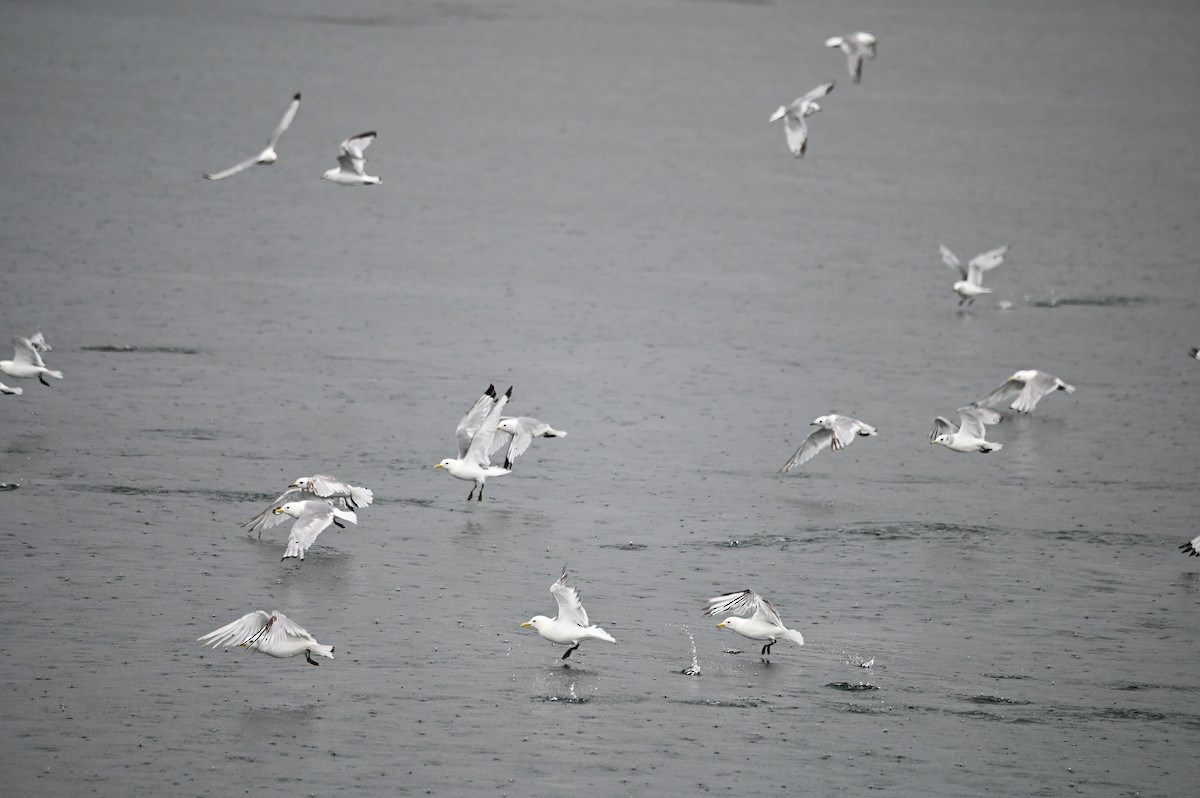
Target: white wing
[340,494]
[942,426]
[1001,395]
[796,130]
[846,429]
[241,630]
[972,419]
[284,123]
[569,607]
[314,519]
[866,41]
[810,448]
[233,170]
[280,629]
[267,518]
[38,342]
[815,94]
[24,352]
[470,423]
[482,442]
[983,262]
[355,145]
[742,603]
[951,260]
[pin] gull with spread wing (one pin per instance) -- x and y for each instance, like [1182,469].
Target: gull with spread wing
[1192,547]
[834,431]
[331,490]
[794,126]
[267,156]
[312,518]
[352,163]
[571,626]
[1026,388]
[856,46]
[273,634]
[764,622]
[968,434]
[518,433]
[27,360]
[971,284]
[475,433]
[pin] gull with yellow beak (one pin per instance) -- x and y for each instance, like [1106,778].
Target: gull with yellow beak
[273,634]
[312,518]
[330,490]
[571,627]
[764,622]
[475,433]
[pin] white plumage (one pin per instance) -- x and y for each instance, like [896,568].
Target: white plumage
[971,284]
[519,433]
[268,155]
[763,624]
[331,490]
[1025,388]
[968,434]
[312,518]
[474,434]
[856,46]
[27,361]
[352,163]
[794,127]
[833,431]
[271,633]
[571,626]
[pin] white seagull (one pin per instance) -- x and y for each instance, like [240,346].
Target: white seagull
[267,156]
[856,46]
[351,169]
[312,518]
[1192,547]
[834,431]
[764,622]
[968,435]
[331,490]
[1028,386]
[971,284]
[571,627]
[271,633]
[474,433]
[27,361]
[518,433]
[794,126]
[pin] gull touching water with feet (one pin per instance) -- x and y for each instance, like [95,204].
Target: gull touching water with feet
[763,624]
[571,626]
[474,433]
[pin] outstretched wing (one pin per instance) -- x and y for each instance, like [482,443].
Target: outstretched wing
[744,602]
[810,448]
[984,262]
[315,519]
[796,131]
[24,352]
[241,630]
[846,429]
[570,608]
[284,123]
[233,170]
[355,145]
[942,426]
[815,94]
[482,441]
[280,629]
[267,518]
[1001,395]
[972,420]
[471,422]
[951,260]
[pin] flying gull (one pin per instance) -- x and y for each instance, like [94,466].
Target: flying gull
[351,169]
[27,361]
[833,431]
[312,518]
[271,633]
[267,156]
[764,622]
[1028,387]
[475,433]
[571,626]
[968,435]
[519,432]
[331,490]
[856,46]
[794,126]
[971,284]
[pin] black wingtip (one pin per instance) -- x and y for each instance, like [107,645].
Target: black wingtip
[508,393]
[491,391]
[370,133]
[297,97]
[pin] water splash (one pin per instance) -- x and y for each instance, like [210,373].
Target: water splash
[694,670]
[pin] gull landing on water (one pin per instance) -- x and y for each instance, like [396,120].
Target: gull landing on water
[968,435]
[1028,386]
[764,622]
[571,626]
[856,46]
[971,284]
[267,156]
[835,431]
[352,164]
[794,126]
[312,518]
[475,433]
[272,633]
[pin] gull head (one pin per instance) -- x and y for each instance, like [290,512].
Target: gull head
[943,439]
[1024,375]
[291,508]
[449,461]
[509,425]
[329,174]
[535,620]
[302,482]
[268,156]
[825,422]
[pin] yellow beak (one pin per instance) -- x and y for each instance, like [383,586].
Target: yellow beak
[721,624]
[527,623]
[439,465]
[278,511]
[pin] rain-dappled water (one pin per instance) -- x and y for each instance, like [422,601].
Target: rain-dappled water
[585,201]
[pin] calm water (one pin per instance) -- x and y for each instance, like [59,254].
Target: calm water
[586,201]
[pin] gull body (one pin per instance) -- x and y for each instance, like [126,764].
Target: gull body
[971,284]
[352,163]
[571,626]
[856,46]
[331,490]
[968,434]
[474,434]
[764,623]
[27,361]
[1025,388]
[518,433]
[312,518]
[268,155]
[270,633]
[833,431]
[794,127]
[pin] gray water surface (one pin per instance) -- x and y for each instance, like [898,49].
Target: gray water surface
[585,201]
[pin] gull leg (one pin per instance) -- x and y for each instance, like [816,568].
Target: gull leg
[479,498]
[309,659]
[471,495]
[567,653]
[338,524]
[42,380]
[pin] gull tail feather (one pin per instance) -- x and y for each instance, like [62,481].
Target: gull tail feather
[55,374]
[600,634]
[361,497]
[793,635]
